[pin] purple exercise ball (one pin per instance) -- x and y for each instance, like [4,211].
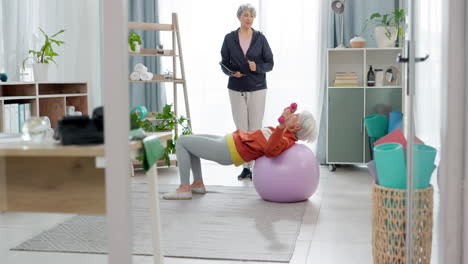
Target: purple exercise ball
[292,176]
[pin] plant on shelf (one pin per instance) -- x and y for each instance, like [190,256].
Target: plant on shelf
[134,42]
[164,121]
[44,55]
[390,25]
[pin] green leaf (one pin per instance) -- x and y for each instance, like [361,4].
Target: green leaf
[45,35]
[375,15]
[60,32]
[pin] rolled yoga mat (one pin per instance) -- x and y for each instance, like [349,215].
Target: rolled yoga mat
[391,167]
[140,110]
[394,121]
[376,126]
[424,157]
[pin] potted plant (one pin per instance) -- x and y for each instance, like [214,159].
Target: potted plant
[44,56]
[164,121]
[388,27]
[358,41]
[134,42]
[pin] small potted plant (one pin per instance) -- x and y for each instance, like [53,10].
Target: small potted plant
[388,27]
[44,56]
[358,41]
[164,121]
[134,42]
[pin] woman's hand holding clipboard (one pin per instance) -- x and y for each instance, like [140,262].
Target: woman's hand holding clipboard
[232,72]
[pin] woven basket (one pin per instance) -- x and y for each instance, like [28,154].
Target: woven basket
[389,224]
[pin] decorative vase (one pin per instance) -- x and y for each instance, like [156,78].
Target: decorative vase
[3,77]
[381,37]
[41,72]
[357,42]
[137,47]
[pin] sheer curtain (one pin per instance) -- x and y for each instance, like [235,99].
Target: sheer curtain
[79,58]
[429,39]
[18,20]
[151,95]
[296,41]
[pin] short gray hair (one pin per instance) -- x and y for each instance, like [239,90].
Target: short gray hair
[308,131]
[246,7]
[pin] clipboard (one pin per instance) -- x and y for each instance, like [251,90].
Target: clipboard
[227,69]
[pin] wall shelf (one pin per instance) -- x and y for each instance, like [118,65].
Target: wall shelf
[45,98]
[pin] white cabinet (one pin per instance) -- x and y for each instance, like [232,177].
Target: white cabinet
[347,142]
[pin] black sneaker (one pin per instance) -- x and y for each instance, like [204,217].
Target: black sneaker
[246,174]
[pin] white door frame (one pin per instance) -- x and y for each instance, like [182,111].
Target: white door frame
[453,233]
[116,125]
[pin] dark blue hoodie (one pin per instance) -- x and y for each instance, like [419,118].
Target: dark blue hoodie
[233,57]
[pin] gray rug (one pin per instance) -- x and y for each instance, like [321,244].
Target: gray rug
[227,223]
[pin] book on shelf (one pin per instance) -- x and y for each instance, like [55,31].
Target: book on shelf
[346,84]
[14,116]
[6,119]
[345,73]
[14,120]
[346,79]
[27,111]
[20,117]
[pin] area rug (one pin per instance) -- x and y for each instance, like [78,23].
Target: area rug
[230,223]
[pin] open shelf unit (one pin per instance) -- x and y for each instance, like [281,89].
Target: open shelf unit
[45,98]
[177,79]
[177,57]
[347,141]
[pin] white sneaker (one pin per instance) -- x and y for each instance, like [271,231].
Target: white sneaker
[200,190]
[178,196]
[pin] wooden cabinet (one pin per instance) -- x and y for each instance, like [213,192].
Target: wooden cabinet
[45,98]
[347,141]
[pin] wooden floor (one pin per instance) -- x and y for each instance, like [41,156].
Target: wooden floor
[336,227]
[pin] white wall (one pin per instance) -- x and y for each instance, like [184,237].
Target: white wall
[79,58]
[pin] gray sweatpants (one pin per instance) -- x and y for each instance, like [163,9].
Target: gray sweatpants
[248,109]
[190,148]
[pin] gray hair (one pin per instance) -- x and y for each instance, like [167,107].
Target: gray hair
[308,131]
[246,7]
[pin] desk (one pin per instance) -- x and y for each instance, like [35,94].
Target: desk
[65,179]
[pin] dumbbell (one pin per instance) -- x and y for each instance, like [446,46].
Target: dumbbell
[292,107]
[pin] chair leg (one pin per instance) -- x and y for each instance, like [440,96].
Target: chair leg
[132,169]
[152,176]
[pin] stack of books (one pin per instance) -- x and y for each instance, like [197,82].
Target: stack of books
[14,116]
[346,79]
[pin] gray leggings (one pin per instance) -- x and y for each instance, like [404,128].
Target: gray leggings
[190,148]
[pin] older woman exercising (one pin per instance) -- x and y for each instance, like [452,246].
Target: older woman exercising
[238,147]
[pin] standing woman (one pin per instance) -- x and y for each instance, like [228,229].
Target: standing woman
[246,57]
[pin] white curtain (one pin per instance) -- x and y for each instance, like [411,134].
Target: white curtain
[79,58]
[428,24]
[296,42]
[18,20]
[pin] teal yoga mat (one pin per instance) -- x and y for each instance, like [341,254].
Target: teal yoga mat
[424,157]
[376,125]
[390,164]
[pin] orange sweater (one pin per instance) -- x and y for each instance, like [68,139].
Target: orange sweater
[247,146]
